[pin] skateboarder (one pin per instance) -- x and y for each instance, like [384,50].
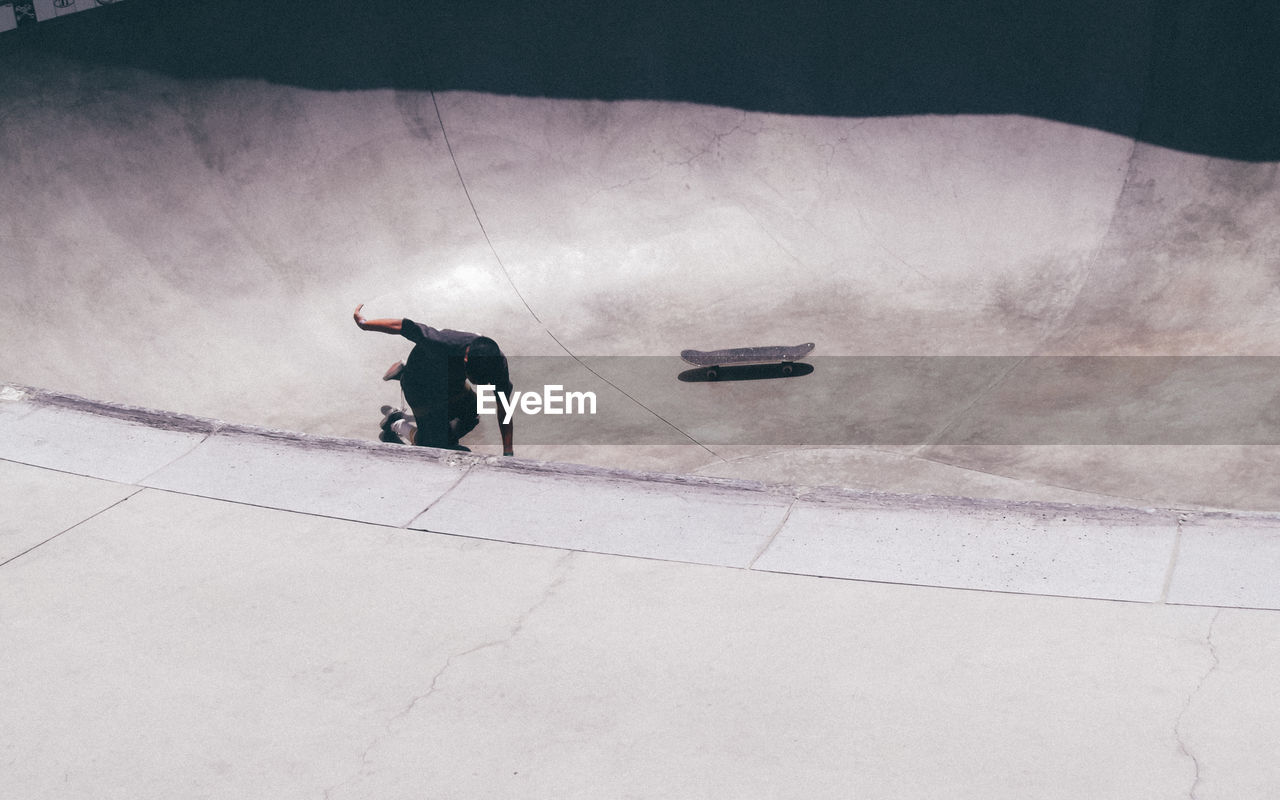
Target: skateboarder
[434,380]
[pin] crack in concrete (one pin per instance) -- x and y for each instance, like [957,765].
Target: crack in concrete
[563,567]
[1183,748]
[713,145]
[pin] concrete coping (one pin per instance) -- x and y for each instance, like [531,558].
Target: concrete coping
[1153,555]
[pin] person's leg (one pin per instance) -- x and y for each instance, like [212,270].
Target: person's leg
[432,427]
[430,407]
[463,416]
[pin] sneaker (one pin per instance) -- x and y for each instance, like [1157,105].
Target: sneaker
[390,415]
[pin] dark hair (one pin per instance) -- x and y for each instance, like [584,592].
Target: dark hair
[486,365]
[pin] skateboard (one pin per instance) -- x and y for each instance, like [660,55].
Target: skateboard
[713,360]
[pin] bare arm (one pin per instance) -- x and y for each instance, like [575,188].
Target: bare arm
[379,325]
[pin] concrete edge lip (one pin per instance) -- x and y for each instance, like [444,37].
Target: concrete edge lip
[76,438]
[1113,556]
[1097,552]
[293,475]
[612,514]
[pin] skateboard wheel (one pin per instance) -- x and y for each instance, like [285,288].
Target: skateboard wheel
[713,374]
[787,369]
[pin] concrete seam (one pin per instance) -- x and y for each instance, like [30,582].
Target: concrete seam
[960,415]
[1174,554]
[441,497]
[773,536]
[143,480]
[476,212]
[507,274]
[1056,326]
[92,516]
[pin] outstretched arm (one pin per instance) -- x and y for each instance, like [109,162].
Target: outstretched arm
[379,325]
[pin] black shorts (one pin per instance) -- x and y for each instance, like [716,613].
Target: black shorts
[442,424]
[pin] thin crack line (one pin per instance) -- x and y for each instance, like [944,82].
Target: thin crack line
[441,498]
[507,274]
[773,536]
[1174,555]
[960,416]
[1177,726]
[564,565]
[476,212]
[91,517]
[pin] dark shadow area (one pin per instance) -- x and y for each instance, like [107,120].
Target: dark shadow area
[1199,77]
[745,372]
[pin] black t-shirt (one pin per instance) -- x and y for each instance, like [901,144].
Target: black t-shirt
[435,372]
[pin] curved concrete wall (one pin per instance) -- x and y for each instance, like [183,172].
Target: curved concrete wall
[197,243]
[184,226]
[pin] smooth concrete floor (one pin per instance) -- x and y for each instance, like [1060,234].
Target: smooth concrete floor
[159,645]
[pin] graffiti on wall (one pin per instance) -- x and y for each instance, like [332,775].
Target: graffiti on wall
[17,13]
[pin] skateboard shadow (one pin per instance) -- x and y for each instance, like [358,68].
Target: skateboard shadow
[745,372]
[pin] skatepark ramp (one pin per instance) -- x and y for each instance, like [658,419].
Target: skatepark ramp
[190,220]
[1010,532]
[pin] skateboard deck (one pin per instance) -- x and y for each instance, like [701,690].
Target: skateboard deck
[714,359]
